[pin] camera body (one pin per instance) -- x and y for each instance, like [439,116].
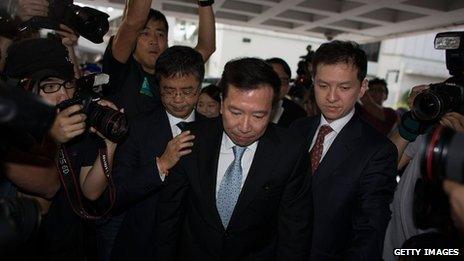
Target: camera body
[439,99]
[109,122]
[90,23]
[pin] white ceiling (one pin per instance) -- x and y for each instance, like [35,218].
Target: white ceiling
[359,20]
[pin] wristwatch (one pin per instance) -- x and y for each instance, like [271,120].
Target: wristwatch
[205,2]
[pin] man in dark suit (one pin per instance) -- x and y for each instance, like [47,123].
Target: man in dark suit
[242,194]
[353,165]
[286,111]
[155,144]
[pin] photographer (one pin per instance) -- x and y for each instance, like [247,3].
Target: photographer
[131,54]
[22,11]
[407,139]
[43,67]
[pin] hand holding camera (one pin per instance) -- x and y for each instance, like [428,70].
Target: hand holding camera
[30,8]
[69,37]
[68,124]
[111,146]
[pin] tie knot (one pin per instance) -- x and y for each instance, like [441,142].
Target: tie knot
[325,129]
[182,125]
[238,151]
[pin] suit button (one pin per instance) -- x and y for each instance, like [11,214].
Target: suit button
[226,234]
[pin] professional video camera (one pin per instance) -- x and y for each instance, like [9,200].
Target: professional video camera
[448,96]
[91,23]
[109,122]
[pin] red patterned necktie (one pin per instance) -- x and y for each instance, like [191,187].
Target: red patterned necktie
[316,151]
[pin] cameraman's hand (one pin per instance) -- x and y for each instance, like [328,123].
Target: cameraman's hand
[453,120]
[177,147]
[455,193]
[29,8]
[69,37]
[414,92]
[111,146]
[65,127]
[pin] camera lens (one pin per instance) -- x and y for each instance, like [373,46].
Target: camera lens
[441,155]
[90,23]
[109,122]
[427,106]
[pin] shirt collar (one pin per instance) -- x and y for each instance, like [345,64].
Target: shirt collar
[174,120]
[337,125]
[227,144]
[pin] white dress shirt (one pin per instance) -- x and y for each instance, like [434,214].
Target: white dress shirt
[174,120]
[336,125]
[175,131]
[226,157]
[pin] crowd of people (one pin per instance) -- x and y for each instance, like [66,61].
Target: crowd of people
[238,170]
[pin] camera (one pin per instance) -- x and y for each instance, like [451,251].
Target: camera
[19,219]
[91,23]
[448,96]
[442,157]
[109,122]
[441,154]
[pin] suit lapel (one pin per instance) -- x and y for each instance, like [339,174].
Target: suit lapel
[166,132]
[207,161]
[340,149]
[261,167]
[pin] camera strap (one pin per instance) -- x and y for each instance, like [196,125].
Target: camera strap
[72,188]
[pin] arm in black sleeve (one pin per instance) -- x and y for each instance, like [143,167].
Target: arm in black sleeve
[296,214]
[170,213]
[376,189]
[133,179]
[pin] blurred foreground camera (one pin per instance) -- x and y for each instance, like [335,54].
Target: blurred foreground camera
[442,156]
[91,23]
[19,221]
[109,122]
[448,96]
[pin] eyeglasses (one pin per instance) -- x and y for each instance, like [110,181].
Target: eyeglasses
[184,93]
[51,87]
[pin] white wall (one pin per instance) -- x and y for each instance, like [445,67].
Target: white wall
[263,44]
[415,60]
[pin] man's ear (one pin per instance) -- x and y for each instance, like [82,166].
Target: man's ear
[364,88]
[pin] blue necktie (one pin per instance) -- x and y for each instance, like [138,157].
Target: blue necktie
[230,187]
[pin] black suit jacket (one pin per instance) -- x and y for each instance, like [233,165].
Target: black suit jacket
[271,220]
[292,112]
[352,189]
[137,181]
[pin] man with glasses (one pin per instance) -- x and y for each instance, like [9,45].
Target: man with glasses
[155,143]
[286,111]
[131,54]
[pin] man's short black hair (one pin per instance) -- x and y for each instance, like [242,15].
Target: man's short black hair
[377,81]
[155,15]
[178,61]
[283,63]
[336,52]
[246,74]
